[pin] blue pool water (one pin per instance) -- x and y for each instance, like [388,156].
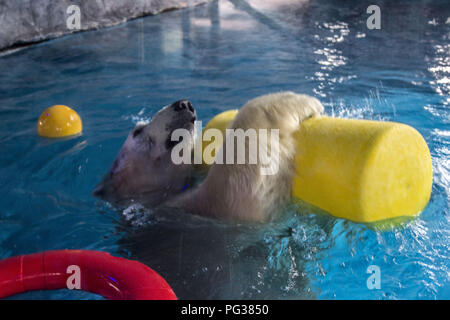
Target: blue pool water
[220,55]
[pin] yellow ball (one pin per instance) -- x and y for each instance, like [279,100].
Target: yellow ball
[59,121]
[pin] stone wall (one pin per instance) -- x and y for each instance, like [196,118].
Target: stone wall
[27,21]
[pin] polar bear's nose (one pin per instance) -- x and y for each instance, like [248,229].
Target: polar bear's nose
[183,105]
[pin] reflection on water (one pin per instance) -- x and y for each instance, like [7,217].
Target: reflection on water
[440,71]
[219,56]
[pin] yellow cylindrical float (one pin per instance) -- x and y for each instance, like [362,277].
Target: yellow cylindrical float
[59,121]
[360,170]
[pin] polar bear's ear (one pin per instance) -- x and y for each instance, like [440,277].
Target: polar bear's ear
[137,131]
[138,128]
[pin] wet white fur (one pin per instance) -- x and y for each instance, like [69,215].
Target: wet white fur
[241,192]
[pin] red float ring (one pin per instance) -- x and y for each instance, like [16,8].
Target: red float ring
[99,273]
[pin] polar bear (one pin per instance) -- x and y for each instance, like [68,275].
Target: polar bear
[143,169]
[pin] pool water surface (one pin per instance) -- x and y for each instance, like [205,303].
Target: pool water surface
[219,56]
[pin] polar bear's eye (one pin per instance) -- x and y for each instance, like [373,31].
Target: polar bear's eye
[171,143]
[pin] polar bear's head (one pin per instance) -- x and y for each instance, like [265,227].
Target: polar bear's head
[144,169]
